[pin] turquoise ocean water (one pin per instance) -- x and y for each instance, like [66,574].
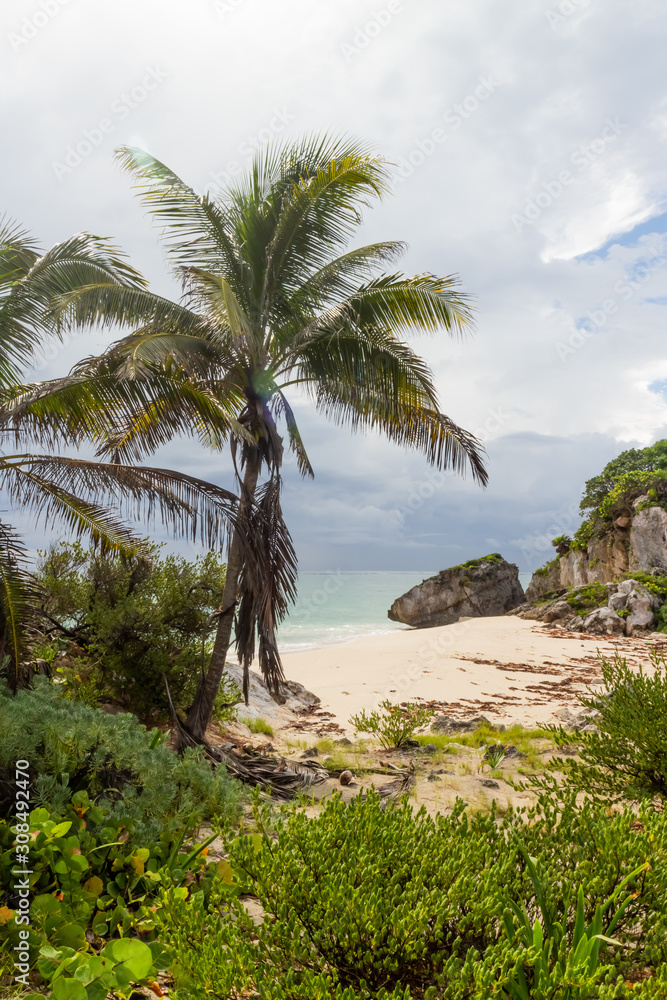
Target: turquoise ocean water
[339,606]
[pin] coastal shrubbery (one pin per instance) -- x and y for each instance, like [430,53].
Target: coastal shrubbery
[636,475]
[393,724]
[361,903]
[626,756]
[128,772]
[114,628]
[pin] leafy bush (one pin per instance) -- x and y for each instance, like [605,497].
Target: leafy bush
[546,569]
[634,460]
[90,879]
[87,976]
[627,756]
[494,559]
[122,625]
[582,537]
[129,772]
[361,903]
[395,724]
[628,488]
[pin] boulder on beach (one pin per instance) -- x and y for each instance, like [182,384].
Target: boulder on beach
[480,588]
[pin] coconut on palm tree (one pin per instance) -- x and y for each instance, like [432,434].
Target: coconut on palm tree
[84,496]
[274,302]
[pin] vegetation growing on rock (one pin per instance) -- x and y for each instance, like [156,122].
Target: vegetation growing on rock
[643,460]
[585,599]
[493,558]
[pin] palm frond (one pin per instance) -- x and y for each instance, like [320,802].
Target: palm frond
[108,304]
[399,304]
[337,279]
[50,486]
[33,282]
[434,434]
[368,362]
[281,407]
[49,502]
[18,251]
[127,420]
[196,230]
[322,188]
[380,384]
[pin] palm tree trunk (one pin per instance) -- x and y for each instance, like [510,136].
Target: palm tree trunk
[201,709]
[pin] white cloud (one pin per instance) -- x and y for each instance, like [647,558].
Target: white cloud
[562,417]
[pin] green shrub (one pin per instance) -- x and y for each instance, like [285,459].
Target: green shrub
[120,626]
[546,569]
[494,558]
[627,488]
[395,724]
[633,460]
[627,756]
[128,771]
[90,880]
[583,536]
[361,903]
[585,599]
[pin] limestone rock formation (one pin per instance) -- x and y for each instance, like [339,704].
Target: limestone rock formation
[634,544]
[294,698]
[625,608]
[604,621]
[480,588]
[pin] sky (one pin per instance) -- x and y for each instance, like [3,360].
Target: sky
[527,144]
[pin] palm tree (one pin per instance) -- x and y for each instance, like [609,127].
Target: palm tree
[273,301]
[73,491]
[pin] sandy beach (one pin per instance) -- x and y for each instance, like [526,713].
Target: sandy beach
[505,668]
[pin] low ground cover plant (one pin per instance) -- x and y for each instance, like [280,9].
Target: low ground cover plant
[91,880]
[128,771]
[365,903]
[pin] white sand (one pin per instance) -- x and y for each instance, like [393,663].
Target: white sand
[534,670]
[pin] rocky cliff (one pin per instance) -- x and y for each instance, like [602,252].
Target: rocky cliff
[627,607]
[480,588]
[636,542]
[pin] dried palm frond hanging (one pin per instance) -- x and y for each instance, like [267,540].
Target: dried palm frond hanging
[267,586]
